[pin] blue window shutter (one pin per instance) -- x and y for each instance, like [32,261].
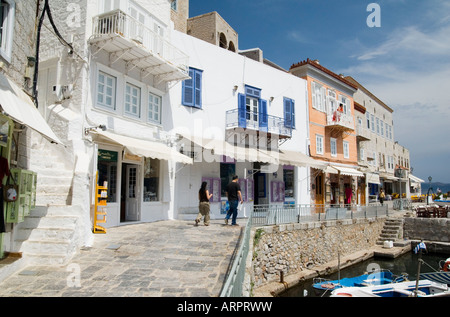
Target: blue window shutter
[293,114]
[198,89]
[289,113]
[242,111]
[263,119]
[188,90]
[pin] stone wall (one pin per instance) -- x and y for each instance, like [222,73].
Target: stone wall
[296,247]
[427,229]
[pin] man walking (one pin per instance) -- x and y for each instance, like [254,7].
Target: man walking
[234,196]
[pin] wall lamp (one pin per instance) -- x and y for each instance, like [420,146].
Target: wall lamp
[88,130]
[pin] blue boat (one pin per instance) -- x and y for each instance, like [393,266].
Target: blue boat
[379,277]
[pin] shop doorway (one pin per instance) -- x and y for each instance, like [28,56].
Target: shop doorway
[130,193]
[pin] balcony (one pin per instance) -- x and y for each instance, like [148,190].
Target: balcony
[363,134]
[340,121]
[261,123]
[128,40]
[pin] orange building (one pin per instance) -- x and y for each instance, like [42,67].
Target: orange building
[332,135]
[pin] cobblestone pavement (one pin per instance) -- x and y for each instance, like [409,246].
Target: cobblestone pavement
[161,259]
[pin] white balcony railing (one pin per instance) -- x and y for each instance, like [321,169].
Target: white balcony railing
[339,119]
[117,24]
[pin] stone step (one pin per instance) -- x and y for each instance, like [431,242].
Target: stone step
[47,236]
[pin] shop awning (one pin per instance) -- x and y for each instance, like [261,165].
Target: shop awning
[142,148]
[223,148]
[415,179]
[348,171]
[373,178]
[299,159]
[19,106]
[388,177]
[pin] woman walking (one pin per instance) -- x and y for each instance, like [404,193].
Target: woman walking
[203,196]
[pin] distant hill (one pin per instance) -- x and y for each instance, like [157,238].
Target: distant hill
[444,187]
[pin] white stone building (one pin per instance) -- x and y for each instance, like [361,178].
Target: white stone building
[247,118]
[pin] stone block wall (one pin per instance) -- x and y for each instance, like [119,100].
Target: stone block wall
[427,229]
[296,247]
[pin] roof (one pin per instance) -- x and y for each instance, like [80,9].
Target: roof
[359,86]
[316,65]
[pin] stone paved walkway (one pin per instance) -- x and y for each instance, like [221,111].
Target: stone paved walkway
[169,258]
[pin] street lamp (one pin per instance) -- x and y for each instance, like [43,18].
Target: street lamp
[428,193]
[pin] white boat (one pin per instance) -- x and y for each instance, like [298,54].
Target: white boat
[426,288]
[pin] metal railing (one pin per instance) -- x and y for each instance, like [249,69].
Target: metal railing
[121,24]
[234,283]
[268,215]
[272,124]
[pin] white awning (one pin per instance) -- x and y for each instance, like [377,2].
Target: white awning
[223,148]
[19,106]
[388,177]
[142,148]
[415,179]
[348,171]
[373,178]
[299,159]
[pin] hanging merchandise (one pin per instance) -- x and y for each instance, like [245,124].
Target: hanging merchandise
[10,191]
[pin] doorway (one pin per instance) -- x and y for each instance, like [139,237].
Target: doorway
[130,193]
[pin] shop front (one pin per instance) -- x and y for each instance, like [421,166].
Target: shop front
[139,176]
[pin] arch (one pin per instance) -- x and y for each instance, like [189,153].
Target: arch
[223,43]
[231,47]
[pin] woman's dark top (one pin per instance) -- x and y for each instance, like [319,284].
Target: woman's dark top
[203,197]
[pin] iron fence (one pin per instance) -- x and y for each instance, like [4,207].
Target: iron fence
[268,215]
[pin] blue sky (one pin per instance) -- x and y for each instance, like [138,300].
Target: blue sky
[405,62]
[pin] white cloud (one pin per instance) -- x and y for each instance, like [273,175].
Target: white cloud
[410,71]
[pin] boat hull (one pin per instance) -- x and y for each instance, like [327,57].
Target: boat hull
[426,288]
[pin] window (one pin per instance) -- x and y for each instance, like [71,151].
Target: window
[106,93]
[174,5]
[252,110]
[382,128]
[319,144]
[251,106]
[192,89]
[372,122]
[133,100]
[346,149]
[110,5]
[346,105]
[107,172]
[289,182]
[154,108]
[332,101]
[7,11]
[151,179]
[378,126]
[368,120]
[318,96]
[333,146]
[289,113]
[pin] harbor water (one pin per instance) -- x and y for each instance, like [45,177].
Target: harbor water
[407,263]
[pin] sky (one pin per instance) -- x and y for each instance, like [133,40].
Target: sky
[404,59]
